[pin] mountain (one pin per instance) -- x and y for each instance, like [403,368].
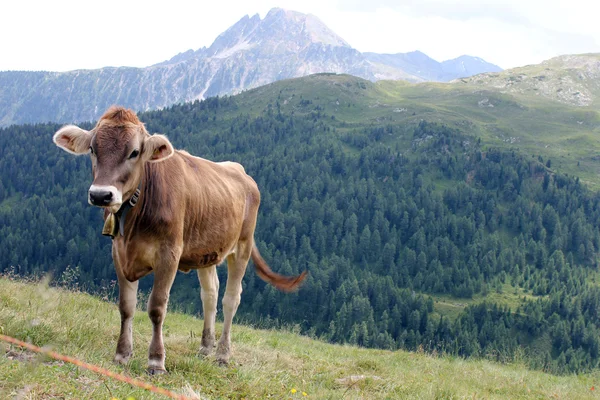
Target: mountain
[465,66]
[251,53]
[568,79]
[421,67]
[284,44]
[266,363]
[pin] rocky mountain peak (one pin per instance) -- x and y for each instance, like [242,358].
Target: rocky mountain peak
[310,26]
[281,31]
[235,35]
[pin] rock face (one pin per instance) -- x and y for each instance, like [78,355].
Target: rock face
[253,52]
[569,79]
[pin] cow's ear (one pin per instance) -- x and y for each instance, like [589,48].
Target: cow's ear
[73,139]
[157,148]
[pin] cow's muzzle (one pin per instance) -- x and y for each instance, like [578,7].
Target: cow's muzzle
[104,196]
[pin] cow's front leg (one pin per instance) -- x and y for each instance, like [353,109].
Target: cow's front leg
[209,293]
[127,302]
[157,310]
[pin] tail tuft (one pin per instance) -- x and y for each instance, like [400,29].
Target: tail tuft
[281,282]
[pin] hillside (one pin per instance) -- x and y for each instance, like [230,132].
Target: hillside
[535,125]
[569,79]
[416,234]
[253,52]
[265,362]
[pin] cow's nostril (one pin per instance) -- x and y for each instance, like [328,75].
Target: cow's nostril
[108,197]
[101,197]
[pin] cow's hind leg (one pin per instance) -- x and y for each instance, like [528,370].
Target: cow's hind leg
[127,302]
[209,293]
[236,267]
[157,310]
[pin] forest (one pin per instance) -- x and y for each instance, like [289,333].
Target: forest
[385,217]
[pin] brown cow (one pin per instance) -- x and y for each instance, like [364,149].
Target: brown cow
[191,214]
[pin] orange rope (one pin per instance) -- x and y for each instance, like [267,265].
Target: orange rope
[94,368]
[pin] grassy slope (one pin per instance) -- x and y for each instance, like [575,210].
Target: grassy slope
[265,363]
[568,135]
[563,133]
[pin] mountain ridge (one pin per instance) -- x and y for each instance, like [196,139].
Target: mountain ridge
[425,68]
[249,54]
[572,79]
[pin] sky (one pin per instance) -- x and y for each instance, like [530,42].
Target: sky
[63,35]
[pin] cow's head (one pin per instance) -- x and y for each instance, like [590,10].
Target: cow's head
[119,146]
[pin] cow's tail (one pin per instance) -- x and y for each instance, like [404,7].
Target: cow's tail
[281,282]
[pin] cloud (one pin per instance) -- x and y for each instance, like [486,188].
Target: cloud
[453,10]
[508,33]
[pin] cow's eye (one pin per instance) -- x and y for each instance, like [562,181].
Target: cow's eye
[134,154]
[91,150]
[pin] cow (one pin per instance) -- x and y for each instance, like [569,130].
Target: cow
[167,211]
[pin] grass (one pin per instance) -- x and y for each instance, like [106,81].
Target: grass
[265,364]
[509,296]
[566,134]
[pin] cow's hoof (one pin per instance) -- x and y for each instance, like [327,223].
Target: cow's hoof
[156,371]
[205,351]
[222,359]
[121,359]
[222,363]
